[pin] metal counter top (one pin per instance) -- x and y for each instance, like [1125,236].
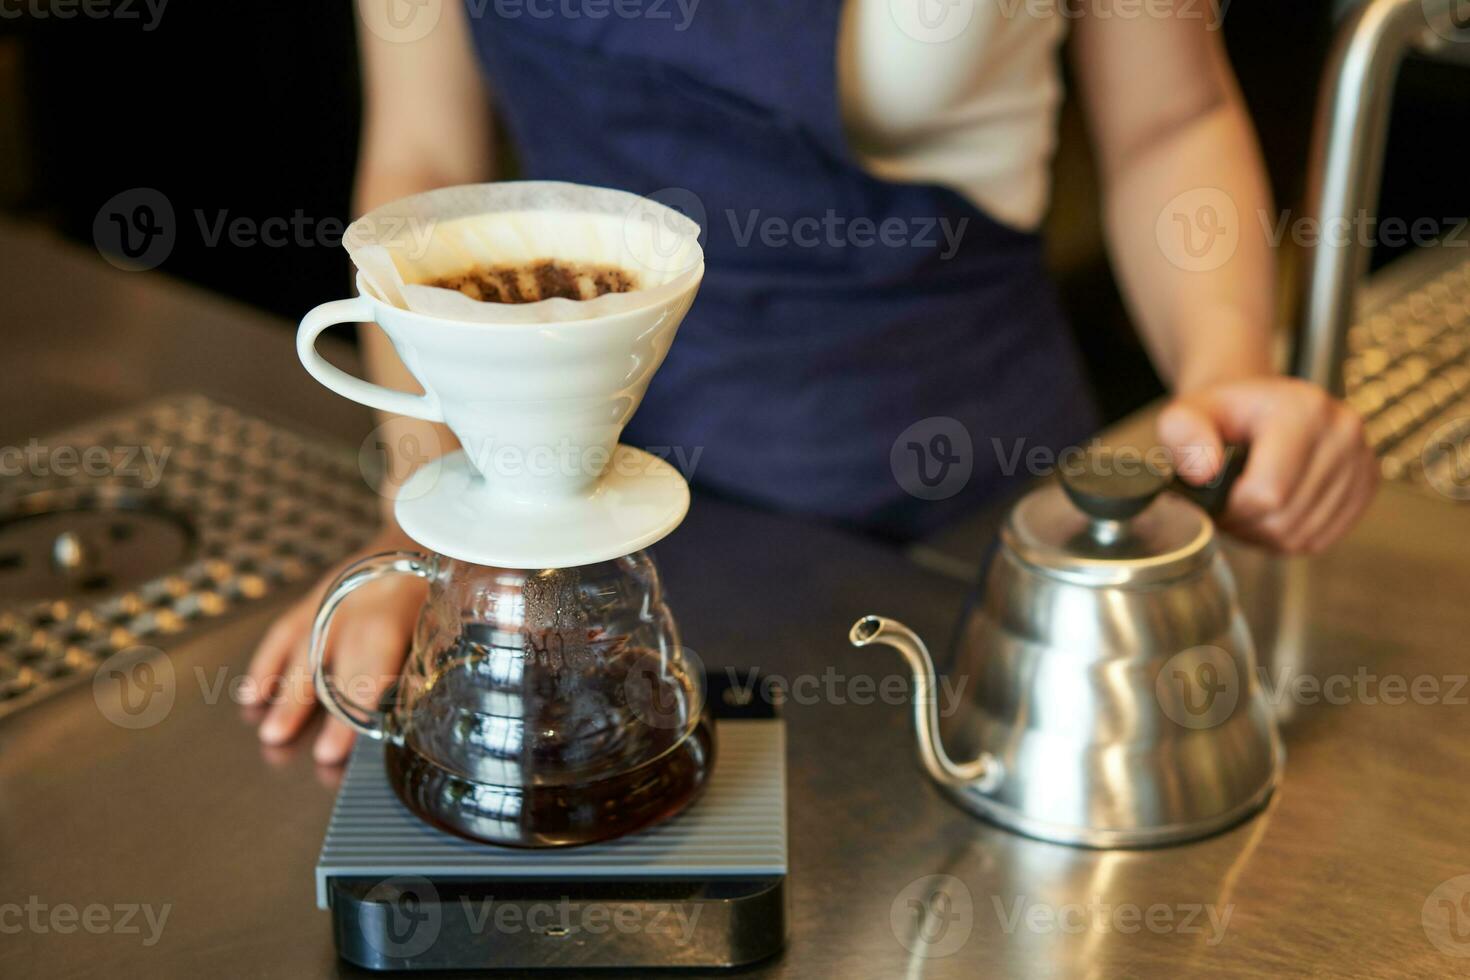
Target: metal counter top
[194,818]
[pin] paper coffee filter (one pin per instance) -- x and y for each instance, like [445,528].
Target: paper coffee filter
[404,244]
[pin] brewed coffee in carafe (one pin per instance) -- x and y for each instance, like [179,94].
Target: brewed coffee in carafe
[545,708]
[591,766]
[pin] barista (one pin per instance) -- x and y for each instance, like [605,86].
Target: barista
[813,345]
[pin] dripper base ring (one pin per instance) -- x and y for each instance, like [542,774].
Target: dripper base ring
[447,507]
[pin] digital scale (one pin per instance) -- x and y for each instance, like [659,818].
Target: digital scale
[705,889]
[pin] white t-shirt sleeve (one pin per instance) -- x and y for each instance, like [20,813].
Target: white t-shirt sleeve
[962,93]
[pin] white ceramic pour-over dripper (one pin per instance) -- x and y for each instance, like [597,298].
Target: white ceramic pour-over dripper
[541,481]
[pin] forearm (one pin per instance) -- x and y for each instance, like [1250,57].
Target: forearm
[1185,229]
[407,443]
[1184,193]
[1184,223]
[426,124]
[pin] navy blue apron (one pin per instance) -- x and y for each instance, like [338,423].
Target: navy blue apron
[813,346]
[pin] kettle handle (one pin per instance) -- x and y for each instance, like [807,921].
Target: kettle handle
[1106,492]
[1214,495]
[374,724]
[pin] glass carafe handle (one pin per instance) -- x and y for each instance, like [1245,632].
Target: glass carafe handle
[369,722]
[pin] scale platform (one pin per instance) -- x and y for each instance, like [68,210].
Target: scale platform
[706,889]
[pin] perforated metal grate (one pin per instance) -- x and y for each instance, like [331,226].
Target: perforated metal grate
[143,525]
[1408,374]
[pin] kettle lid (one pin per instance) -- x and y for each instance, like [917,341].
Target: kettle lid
[1107,522]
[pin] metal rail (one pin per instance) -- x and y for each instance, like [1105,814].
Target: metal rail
[1347,160]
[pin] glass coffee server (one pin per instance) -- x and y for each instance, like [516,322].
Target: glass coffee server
[537,708]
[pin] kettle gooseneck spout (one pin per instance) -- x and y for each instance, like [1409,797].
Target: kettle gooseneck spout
[984,772]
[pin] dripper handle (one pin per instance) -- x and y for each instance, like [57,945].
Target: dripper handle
[369,722]
[359,309]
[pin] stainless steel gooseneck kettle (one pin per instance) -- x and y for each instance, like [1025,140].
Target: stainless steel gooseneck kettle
[1112,699]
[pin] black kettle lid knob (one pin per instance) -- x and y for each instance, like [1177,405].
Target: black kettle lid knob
[1108,486]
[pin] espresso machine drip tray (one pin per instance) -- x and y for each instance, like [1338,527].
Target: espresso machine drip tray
[119,535]
[706,889]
